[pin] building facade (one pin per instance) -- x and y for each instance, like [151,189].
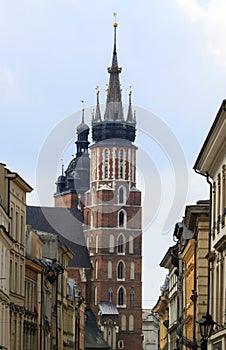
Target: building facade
[211,163]
[150,329]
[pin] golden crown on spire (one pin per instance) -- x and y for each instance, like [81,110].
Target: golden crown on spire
[115,23]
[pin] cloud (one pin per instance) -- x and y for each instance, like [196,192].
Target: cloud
[211,16]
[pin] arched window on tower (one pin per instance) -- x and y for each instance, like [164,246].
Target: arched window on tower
[106,155]
[121,297]
[110,295]
[132,297]
[106,163]
[131,245]
[111,244]
[132,270]
[106,171]
[121,246]
[95,295]
[123,322]
[109,269]
[96,243]
[121,164]
[121,271]
[121,195]
[122,218]
[131,323]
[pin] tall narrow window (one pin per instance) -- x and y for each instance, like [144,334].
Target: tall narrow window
[132,297]
[120,270]
[132,271]
[106,155]
[106,171]
[121,218]
[111,244]
[121,244]
[121,165]
[22,229]
[131,244]
[121,195]
[96,268]
[123,323]
[96,243]
[95,295]
[131,323]
[110,295]
[109,269]
[121,296]
[17,226]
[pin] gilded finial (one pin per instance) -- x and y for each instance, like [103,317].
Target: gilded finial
[115,23]
[130,90]
[97,90]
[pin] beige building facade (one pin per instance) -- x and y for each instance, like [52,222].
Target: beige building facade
[211,163]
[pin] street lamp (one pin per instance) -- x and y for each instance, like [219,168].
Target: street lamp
[206,324]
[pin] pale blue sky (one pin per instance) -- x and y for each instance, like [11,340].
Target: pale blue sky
[55,52]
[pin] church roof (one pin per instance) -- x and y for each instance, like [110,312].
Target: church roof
[67,224]
[108,308]
[93,336]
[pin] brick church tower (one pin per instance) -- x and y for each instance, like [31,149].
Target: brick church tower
[112,220]
[103,185]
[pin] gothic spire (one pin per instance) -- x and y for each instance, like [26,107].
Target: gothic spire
[97,117]
[130,118]
[114,109]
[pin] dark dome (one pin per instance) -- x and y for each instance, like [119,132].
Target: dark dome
[82,127]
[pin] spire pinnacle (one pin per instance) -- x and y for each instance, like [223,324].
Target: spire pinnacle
[97,116]
[83,111]
[114,109]
[130,111]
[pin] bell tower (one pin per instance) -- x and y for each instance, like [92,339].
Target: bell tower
[112,219]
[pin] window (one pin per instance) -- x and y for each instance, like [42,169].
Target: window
[110,295]
[22,229]
[120,274]
[131,245]
[111,244]
[110,269]
[121,244]
[121,195]
[121,344]
[96,268]
[121,172]
[121,218]
[106,171]
[106,155]
[121,155]
[121,164]
[132,271]
[92,219]
[96,244]
[121,296]
[123,323]
[132,297]
[131,323]
[95,295]
[17,226]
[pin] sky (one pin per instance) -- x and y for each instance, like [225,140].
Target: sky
[53,55]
